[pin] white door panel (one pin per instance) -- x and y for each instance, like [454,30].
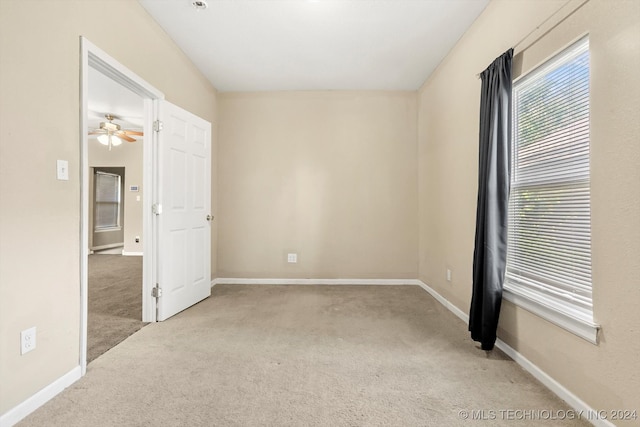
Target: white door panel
[184,233]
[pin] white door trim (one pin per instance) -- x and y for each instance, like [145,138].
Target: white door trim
[96,58]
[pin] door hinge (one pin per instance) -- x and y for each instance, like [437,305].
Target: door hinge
[158,125]
[156,292]
[156,208]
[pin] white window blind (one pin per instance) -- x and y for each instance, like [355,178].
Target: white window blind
[107,203]
[549,246]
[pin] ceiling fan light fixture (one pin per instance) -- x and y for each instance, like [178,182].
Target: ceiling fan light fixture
[111,134]
[109,140]
[115,141]
[103,139]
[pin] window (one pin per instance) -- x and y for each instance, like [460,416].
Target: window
[549,248]
[107,201]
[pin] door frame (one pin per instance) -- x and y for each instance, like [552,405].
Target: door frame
[93,57]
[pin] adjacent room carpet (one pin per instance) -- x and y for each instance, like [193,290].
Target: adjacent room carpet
[115,301]
[303,356]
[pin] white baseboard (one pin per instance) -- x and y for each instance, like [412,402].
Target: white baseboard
[572,400]
[105,247]
[125,253]
[382,282]
[562,392]
[442,300]
[14,415]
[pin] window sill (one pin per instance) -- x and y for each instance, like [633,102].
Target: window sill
[578,326]
[106,229]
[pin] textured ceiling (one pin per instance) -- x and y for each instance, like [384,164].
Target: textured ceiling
[266,45]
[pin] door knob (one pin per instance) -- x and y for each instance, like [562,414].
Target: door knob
[209,217]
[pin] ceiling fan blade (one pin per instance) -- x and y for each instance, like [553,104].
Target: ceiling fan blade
[125,137]
[132,132]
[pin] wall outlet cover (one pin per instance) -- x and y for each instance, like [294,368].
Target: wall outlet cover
[27,340]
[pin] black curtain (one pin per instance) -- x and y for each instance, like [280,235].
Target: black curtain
[494,174]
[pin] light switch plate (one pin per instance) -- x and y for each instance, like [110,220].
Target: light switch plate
[62,167]
[292,258]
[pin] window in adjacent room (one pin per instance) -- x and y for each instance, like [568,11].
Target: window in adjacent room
[108,196]
[549,248]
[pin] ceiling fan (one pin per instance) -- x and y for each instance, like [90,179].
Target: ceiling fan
[111,135]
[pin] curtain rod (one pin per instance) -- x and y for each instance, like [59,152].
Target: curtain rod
[582,2]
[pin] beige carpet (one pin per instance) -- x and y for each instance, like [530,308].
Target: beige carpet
[302,356]
[115,301]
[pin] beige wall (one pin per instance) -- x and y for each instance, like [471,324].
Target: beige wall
[606,376]
[330,176]
[129,156]
[39,123]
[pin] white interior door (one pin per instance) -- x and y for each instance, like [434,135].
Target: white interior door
[184,231]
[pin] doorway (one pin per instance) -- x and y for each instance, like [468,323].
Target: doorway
[114,268]
[176,209]
[108,88]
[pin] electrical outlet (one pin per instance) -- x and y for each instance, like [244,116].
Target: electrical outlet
[448,274]
[137,239]
[292,258]
[27,340]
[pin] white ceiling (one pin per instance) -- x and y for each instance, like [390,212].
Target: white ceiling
[266,45]
[108,97]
